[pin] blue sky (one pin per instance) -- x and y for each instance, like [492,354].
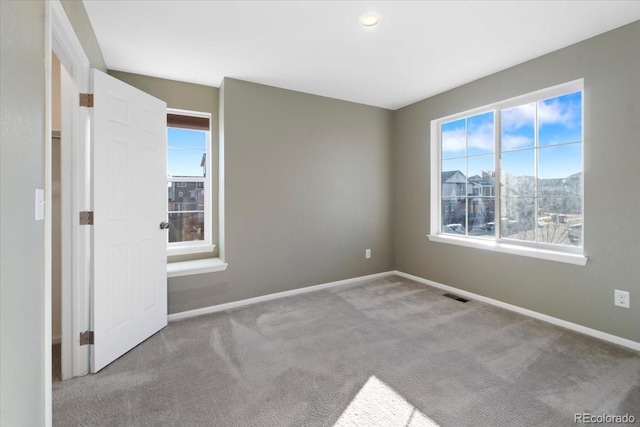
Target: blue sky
[185,151]
[559,125]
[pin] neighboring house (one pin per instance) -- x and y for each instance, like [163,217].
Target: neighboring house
[473,196]
[454,184]
[186,196]
[482,186]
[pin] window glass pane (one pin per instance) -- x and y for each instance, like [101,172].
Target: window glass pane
[454,215]
[185,227]
[481,192]
[560,162]
[481,174]
[518,173]
[574,234]
[185,162]
[518,127]
[186,138]
[518,218]
[185,196]
[560,220]
[187,148]
[481,216]
[480,136]
[454,179]
[561,187]
[454,143]
[560,119]
[560,190]
[560,171]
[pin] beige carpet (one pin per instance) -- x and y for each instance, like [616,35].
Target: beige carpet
[387,352]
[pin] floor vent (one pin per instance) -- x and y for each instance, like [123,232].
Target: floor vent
[455,297]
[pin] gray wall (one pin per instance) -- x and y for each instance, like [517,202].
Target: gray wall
[22,148]
[610,65]
[22,120]
[308,189]
[185,96]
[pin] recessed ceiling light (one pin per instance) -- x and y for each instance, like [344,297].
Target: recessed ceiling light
[369,19]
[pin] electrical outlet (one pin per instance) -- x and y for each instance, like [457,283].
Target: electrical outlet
[367,253]
[621,298]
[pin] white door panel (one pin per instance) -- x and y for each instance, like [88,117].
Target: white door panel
[129,301]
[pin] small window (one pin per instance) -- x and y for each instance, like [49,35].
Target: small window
[511,172]
[188,146]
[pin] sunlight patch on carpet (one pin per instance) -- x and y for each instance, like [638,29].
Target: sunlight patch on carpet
[377,404]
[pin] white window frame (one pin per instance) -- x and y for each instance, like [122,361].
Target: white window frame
[571,255]
[198,246]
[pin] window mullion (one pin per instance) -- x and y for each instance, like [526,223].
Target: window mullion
[536,153]
[185,179]
[497,130]
[466,174]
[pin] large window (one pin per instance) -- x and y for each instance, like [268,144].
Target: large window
[509,176]
[189,182]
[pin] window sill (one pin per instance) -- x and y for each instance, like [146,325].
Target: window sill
[569,258]
[199,266]
[189,249]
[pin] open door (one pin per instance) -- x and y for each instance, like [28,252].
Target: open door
[129,299]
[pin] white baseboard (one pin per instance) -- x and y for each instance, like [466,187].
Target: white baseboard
[222,307]
[545,318]
[56,339]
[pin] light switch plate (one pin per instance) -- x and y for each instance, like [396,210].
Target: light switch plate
[39,201]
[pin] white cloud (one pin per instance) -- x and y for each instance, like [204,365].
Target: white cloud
[552,111]
[453,140]
[481,137]
[512,142]
[517,117]
[555,112]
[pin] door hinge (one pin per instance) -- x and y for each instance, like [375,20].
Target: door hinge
[86,100]
[86,338]
[86,218]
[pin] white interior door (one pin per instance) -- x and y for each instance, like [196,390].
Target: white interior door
[129,301]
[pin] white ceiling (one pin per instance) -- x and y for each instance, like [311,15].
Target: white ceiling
[419,49]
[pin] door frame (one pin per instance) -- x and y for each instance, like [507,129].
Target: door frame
[75,152]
